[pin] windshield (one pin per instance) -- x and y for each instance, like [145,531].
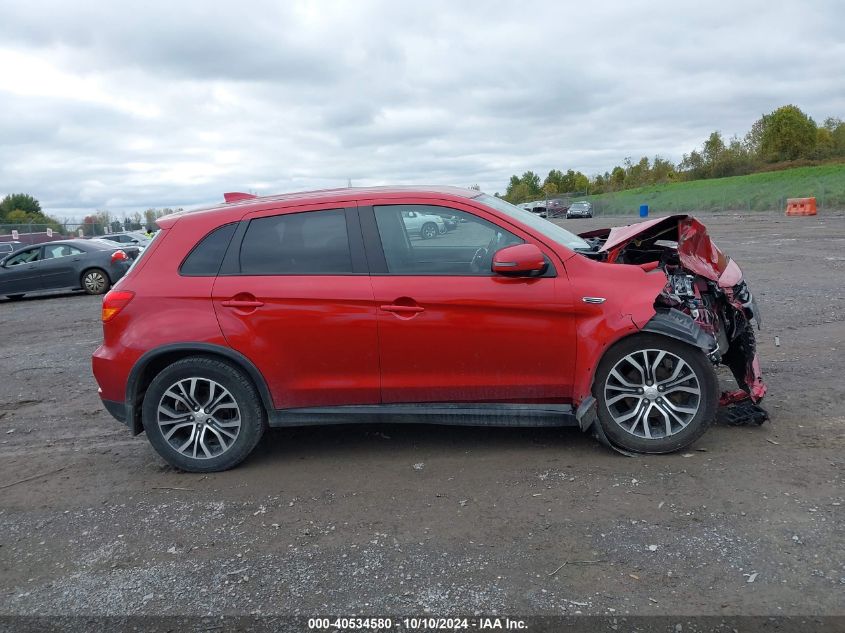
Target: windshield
[145,249]
[548,229]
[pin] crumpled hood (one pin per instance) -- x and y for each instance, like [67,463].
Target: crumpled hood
[697,252]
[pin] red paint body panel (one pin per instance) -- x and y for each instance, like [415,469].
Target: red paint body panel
[479,339]
[314,340]
[322,340]
[161,313]
[629,293]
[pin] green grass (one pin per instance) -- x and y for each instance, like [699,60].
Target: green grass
[755,192]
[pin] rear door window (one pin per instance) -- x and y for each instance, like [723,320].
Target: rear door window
[55,251]
[305,243]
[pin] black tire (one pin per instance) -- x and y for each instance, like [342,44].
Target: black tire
[95,281]
[242,391]
[15,297]
[708,398]
[428,230]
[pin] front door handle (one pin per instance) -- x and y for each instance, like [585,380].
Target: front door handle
[243,304]
[396,309]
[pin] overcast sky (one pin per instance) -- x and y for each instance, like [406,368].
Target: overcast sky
[124,106]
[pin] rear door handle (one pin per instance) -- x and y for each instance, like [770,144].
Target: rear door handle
[402,309]
[238,303]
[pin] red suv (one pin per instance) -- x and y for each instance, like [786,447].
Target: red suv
[329,307]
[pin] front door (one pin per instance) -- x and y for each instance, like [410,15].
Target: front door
[300,307]
[21,273]
[452,331]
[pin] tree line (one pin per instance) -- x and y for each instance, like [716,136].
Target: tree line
[21,210]
[785,137]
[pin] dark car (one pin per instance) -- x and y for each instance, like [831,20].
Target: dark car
[580,209]
[90,265]
[556,208]
[320,307]
[130,249]
[7,248]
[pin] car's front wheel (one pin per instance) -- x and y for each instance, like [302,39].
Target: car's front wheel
[655,394]
[203,415]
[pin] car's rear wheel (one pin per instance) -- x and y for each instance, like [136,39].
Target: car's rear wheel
[95,281]
[428,231]
[203,415]
[655,394]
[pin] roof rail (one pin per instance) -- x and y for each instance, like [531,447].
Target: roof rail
[237,196]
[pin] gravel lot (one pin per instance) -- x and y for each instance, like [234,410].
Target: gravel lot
[388,519]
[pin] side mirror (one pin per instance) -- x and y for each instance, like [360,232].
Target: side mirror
[520,260]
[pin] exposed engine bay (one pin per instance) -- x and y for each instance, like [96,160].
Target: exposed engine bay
[703,283]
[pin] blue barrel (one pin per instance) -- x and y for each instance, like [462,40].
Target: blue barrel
[643,210]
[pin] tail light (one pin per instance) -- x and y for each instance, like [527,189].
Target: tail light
[118,256]
[115,301]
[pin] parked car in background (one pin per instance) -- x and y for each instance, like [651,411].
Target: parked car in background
[424,225]
[546,208]
[318,307]
[131,250]
[580,209]
[537,208]
[556,208]
[7,248]
[90,265]
[128,239]
[451,221]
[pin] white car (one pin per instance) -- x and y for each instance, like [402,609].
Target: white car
[128,239]
[422,224]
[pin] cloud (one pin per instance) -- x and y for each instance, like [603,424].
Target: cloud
[130,105]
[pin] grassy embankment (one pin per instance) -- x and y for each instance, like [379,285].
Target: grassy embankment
[755,192]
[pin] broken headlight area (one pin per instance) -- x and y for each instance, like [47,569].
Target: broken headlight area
[703,283]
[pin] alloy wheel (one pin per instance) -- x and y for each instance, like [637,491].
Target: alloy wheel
[652,393]
[199,418]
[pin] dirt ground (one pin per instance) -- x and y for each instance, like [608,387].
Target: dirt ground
[389,519]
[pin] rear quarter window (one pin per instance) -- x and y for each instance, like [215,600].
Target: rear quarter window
[207,256]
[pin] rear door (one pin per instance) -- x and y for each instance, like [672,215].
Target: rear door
[21,272]
[59,266]
[452,331]
[295,298]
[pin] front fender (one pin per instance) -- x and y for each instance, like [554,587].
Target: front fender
[627,293]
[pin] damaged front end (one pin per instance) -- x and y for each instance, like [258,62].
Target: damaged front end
[703,286]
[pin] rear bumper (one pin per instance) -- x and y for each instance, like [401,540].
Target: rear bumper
[118,269]
[116,409]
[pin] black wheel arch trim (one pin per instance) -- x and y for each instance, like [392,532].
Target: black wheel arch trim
[677,325]
[133,382]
